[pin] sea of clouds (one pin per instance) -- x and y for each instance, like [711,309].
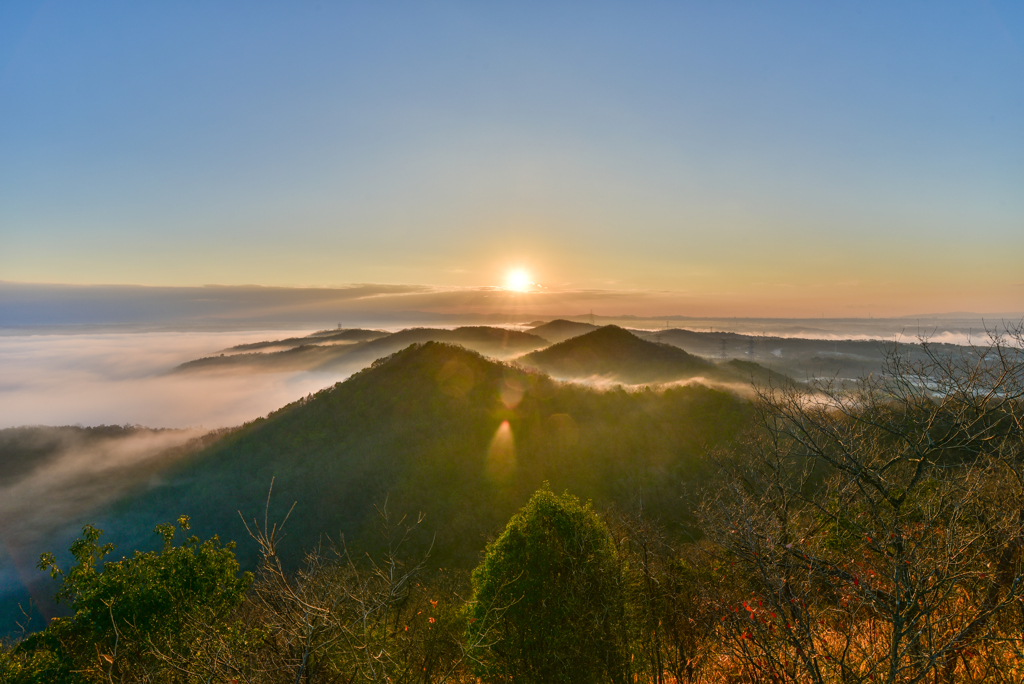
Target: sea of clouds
[121,378]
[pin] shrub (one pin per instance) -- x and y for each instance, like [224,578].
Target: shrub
[138,613]
[548,601]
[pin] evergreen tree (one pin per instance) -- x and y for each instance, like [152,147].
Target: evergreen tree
[548,600]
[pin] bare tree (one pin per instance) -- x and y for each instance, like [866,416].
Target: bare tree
[342,618]
[339,618]
[881,528]
[673,599]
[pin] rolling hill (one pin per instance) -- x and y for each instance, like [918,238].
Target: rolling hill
[616,354]
[796,357]
[441,430]
[340,336]
[559,330]
[336,355]
[499,343]
[302,358]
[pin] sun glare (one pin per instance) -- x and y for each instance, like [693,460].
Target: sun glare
[518,280]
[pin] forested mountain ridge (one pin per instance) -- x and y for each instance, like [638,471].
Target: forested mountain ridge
[339,336]
[811,529]
[444,431]
[615,354]
[354,349]
[560,330]
[499,343]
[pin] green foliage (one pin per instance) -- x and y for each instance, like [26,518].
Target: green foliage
[548,601]
[618,354]
[130,614]
[417,428]
[37,666]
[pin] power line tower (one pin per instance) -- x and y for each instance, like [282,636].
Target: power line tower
[659,336]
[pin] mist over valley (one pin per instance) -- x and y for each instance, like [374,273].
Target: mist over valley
[481,343]
[485,421]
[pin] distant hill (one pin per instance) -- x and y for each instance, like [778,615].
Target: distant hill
[559,330]
[305,357]
[617,354]
[348,335]
[444,431]
[755,373]
[313,355]
[794,356]
[499,343]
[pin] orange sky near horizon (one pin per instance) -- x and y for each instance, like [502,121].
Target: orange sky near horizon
[705,159]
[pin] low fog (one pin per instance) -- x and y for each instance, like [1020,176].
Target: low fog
[52,481]
[605,384]
[75,472]
[120,379]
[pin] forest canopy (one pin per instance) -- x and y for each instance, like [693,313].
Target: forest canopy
[850,534]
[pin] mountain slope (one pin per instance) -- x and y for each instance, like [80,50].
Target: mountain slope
[440,430]
[796,357]
[54,479]
[495,342]
[314,356]
[305,357]
[560,330]
[614,353]
[347,335]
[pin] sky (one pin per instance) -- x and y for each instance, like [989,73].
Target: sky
[685,158]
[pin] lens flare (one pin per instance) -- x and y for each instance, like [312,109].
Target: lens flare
[501,455]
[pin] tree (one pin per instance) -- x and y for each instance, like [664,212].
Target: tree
[672,595]
[547,599]
[341,618]
[882,526]
[129,617]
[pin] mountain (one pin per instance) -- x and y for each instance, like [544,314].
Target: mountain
[796,357]
[347,335]
[441,430]
[560,330]
[302,358]
[335,356]
[616,354]
[499,343]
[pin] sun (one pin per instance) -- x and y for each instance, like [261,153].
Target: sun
[518,280]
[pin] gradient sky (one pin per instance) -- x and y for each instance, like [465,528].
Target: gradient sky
[742,158]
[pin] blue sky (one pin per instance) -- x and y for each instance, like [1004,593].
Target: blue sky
[782,159]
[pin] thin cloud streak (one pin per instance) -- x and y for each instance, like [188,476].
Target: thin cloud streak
[26,306]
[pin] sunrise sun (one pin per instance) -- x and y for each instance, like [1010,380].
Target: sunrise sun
[518,280]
